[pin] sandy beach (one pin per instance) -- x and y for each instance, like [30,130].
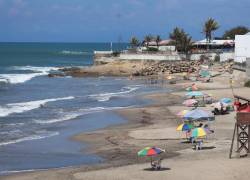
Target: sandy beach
[155,125]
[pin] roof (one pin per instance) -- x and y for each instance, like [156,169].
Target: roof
[216,42]
[161,43]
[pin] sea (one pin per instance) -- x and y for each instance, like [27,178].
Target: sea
[39,115]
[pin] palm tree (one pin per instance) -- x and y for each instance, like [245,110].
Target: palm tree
[148,39]
[134,42]
[181,40]
[239,30]
[208,28]
[157,40]
[175,36]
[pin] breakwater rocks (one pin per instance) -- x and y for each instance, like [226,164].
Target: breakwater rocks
[168,67]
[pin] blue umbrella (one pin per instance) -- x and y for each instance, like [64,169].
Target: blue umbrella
[195,93]
[226,100]
[198,114]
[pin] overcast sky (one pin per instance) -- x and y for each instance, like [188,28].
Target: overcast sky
[113,20]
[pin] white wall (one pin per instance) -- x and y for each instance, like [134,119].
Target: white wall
[242,47]
[150,57]
[225,56]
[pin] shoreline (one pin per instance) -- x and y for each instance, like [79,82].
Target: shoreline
[119,144]
[118,157]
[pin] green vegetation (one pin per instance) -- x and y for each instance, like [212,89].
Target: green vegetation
[239,30]
[152,49]
[157,40]
[134,42]
[208,28]
[247,84]
[181,40]
[217,58]
[148,39]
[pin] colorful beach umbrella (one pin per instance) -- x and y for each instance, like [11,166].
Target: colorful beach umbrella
[194,93]
[198,114]
[198,132]
[226,100]
[150,151]
[182,113]
[190,102]
[184,127]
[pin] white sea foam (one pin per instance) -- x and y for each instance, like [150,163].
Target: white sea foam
[35,68]
[67,52]
[29,138]
[26,106]
[21,78]
[106,96]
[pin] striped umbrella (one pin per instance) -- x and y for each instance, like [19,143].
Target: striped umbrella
[184,127]
[150,151]
[199,132]
[182,113]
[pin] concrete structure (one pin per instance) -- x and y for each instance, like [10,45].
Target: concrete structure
[248,68]
[224,56]
[242,48]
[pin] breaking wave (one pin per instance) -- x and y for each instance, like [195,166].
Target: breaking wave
[21,78]
[106,96]
[29,138]
[75,115]
[26,106]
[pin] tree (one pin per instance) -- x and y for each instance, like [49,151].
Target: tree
[148,39]
[181,40]
[175,36]
[134,42]
[157,40]
[208,28]
[239,30]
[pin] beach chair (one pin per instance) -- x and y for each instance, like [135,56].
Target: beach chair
[156,165]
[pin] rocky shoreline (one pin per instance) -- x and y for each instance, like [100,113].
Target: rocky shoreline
[129,68]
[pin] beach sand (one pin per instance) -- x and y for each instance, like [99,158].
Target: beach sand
[155,125]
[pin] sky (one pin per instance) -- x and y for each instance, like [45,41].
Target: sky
[114,20]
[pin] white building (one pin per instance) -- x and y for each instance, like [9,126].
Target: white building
[242,47]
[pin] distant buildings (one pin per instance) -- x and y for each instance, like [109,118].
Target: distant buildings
[221,45]
[242,48]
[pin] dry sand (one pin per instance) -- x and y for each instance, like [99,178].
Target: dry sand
[155,125]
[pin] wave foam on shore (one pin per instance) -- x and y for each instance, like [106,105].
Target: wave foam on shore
[106,96]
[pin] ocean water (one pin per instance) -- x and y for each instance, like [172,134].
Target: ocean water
[38,114]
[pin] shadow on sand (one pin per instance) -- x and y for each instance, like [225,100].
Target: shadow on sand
[162,169]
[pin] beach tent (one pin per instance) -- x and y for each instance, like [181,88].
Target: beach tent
[198,115]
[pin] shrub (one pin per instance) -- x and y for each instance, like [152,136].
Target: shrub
[116,53]
[247,84]
[217,58]
[152,49]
